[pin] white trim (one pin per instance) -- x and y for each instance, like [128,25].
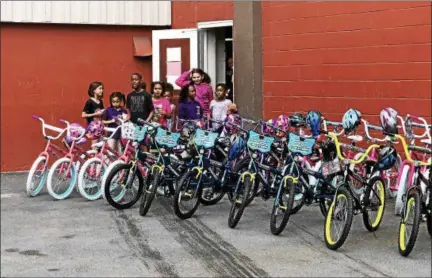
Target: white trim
[214,24]
[157,35]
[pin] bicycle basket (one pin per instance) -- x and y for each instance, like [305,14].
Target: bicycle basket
[166,139]
[205,139]
[258,142]
[132,131]
[299,145]
[331,167]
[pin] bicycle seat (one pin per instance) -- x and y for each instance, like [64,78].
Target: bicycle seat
[426,141]
[355,138]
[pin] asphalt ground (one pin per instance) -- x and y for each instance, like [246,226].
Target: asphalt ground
[75,237]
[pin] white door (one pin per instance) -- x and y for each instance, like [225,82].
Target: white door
[174,51]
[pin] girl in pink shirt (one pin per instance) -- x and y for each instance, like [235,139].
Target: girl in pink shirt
[201,81]
[162,107]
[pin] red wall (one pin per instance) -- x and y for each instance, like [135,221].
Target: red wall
[46,70]
[187,14]
[332,56]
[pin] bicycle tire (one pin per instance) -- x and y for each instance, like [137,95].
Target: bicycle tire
[405,249]
[288,210]
[234,218]
[72,182]
[334,245]
[105,175]
[177,197]
[149,193]
[29,185]
[372,227]
[81,179]
[107,187]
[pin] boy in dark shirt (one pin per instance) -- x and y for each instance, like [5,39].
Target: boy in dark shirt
[139,102]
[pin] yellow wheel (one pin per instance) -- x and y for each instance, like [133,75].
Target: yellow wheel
[374,211]
[410,223]
[339,219]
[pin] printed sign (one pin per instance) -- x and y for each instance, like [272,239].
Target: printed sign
[259,142]
[167,140]
[205,139]
[301,146]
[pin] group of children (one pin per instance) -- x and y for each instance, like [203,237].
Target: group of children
[196,100]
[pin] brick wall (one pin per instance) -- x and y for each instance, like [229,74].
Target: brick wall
[332,56]
[187,14]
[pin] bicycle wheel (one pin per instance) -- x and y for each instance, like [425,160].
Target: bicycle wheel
[149,192]
[376,199]
[59,171]
[336,214]
[90,178]
[408,238]
[240,201]
[105,176]
[185,191]
[127,188]
[37,176]
[285,205]
[212,195]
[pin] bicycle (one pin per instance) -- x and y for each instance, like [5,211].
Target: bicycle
[66,167]
[417,198]
[43,159]
[124,175]
[406,170]
[356,201]
[89,177]
[162,171]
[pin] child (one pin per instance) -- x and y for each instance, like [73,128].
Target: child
[201,81]
[169,90]
[94,103]
[189,108]
[219,106]
[112,118]
[162,108]
[139,102]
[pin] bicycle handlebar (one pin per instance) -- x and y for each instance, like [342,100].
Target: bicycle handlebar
[406,148]
[368,126]
[339,153]
[421,125]
[335,124]
[50,127]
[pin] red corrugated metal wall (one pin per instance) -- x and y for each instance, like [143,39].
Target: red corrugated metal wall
[332,56]
[187,14]
[46,70]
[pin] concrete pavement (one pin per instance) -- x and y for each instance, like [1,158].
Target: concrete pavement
[75,237]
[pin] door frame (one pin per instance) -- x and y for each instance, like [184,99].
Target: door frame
[191,34]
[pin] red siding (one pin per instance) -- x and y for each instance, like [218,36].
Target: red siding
[187,14]
[46,70]
[332,56]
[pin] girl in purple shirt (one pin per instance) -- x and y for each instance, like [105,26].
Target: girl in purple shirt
[112,117]
[201,81]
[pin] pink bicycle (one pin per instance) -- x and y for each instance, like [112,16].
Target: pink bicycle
[92,171]
[407,169]
[65,169]
[38,172]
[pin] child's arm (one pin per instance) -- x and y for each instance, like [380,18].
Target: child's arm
[168,111]
[183,79]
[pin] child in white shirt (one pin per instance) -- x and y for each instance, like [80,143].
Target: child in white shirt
[219,106]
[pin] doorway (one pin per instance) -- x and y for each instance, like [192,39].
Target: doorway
[215,49]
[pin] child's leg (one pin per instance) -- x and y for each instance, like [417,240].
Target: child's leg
[94,142]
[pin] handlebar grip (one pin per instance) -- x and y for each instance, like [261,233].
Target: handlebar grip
[375,127]
[324,132]
[333,123]
[36,117]
[63,121]
[388,134]
[418,125]
[419,149]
